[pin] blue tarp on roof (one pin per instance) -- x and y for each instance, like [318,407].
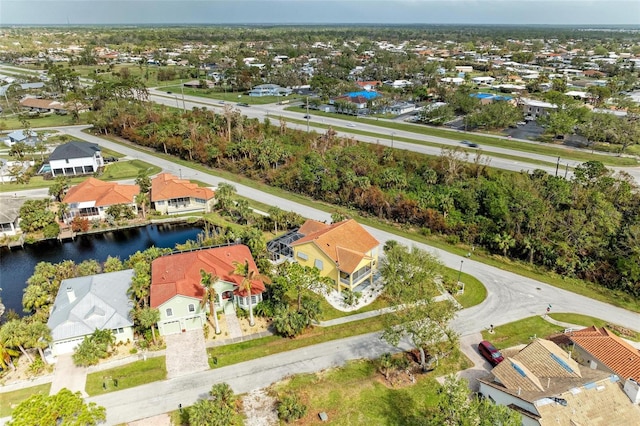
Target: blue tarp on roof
[365,94]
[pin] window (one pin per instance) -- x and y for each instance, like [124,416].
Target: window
[302,255]
[169,312]
[192,307]
[121,330]
[318,264]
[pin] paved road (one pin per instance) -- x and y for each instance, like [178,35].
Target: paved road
[161,397]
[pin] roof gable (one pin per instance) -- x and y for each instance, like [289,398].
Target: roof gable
[74,149]
[166,186]
[84,304]
[179,273]
[346,242]
[103,193]
[609,349]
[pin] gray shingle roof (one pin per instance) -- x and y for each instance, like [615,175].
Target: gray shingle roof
[74,149]
[10,208]
[100,302]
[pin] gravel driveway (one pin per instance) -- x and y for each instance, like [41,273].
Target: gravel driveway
[185,353]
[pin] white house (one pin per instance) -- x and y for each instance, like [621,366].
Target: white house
[10,215]
[75,158]
[88,303]
[483,81]
[534,108]
[269,90]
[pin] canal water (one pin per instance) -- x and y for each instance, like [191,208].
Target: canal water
[16,265]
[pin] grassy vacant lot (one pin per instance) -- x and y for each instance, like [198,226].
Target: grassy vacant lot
[552,150]
[521,332]
[128,376]
[128,170]
[231,97]
[10,399]
[52,120]
[357,394]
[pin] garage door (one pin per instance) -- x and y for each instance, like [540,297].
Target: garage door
[193,323]
[66,347]
[172,327]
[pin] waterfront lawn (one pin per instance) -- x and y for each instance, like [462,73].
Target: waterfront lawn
[521,332]
[9,400]
[131,375]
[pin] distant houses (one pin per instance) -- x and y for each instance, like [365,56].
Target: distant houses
[269,90]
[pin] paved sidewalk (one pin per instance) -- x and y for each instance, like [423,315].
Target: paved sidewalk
[233,325]
[67,375]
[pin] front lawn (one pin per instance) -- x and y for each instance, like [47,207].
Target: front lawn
[521,332]
[227,97]
[128,376]
[127,170]
[8,400]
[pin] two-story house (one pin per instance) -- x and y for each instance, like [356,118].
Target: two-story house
[75,158]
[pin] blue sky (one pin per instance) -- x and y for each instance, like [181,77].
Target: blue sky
[508,12]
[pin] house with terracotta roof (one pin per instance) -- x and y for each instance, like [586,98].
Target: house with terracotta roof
[171,195]
[75,158]
[343,251]
[176,289]
[599,348]
[91,198]
[547,387]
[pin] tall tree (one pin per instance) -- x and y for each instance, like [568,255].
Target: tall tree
[303,279]
[15,335]
[248,275]
[207,280]
[63,408]
[410,288]
[148,318]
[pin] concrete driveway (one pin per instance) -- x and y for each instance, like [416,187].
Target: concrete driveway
[481,367]
[185,353]
[67,375]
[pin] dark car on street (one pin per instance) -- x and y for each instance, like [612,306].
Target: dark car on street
[490,353]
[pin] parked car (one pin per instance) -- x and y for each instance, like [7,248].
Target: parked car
[490,353]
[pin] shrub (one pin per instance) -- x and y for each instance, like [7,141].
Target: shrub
[291,408]
[288,323]
[52,230]
[351,298]
[80,224]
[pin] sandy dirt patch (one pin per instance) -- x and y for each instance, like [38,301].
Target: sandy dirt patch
[259,409]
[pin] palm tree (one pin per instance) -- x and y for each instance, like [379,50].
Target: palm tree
[142,199]
[248,276]
[148,318]
[14,335]
[39,336]
[5,356]
[209,297]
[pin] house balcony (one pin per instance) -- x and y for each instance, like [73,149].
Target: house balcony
[351,281]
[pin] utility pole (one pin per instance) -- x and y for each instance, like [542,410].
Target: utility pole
[557,166]
[392,135]
[460,271]
[307,114]
[182,91]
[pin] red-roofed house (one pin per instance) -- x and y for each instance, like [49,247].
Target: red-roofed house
[171,195]
[600,348]
[176,290]
[91,198]
[343,251]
